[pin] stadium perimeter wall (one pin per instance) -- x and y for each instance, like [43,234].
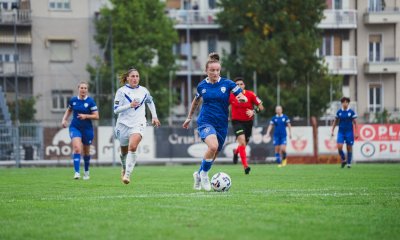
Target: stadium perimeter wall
[309,144]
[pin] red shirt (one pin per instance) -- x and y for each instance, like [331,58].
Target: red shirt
[239,109]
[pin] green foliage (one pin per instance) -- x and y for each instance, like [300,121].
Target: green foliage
[297,202]
[142,37]
[26,107]
[263,33]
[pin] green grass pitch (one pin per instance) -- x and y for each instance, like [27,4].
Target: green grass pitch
[295,202]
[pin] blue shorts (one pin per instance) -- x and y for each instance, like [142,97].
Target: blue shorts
[345,137]
[206,130]
[86,135]
[279,140]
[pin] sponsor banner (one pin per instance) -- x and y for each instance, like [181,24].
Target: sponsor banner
[145,149]
[327,143]
[57,144]
[186,143]
[302,142]
[377,142]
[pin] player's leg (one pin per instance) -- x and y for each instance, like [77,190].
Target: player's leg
[131,157]
[239,131]
[209,157]
[76,138]
[283,154]
[122,156]
[340,141]
[349,145]
[248,127]
[122,134]
[87,138]
[276,142]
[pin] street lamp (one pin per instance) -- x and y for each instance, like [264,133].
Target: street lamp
[278,87]
[14,7]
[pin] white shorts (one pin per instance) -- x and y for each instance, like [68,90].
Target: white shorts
[123,132]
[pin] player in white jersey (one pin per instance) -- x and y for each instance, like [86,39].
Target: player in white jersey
[129,104]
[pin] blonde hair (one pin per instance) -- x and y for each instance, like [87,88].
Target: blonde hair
[83,82]
[212,58]
[124,76]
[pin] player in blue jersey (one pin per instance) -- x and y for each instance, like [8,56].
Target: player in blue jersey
[84,110]
[280,121]
[213,118]
[346,118]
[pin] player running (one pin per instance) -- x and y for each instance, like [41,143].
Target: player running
[242,121]
[213,118]
[84,110]
[346,118]
[280,121]
[129,104]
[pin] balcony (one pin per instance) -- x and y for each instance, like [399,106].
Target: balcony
[194,19]
[23,17]
[382,16]
[339,19]
[23,69]
[182,65]
[388,65]
[341,65]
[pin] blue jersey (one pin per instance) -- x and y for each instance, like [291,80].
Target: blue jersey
[280,123]
[345,118]
[81,106]
[214,110]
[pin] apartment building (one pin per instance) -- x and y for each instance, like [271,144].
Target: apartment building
[361,44]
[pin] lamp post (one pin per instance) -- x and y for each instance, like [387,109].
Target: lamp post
[14,7]
[278,84]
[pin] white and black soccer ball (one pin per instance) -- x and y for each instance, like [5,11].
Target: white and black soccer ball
[221,182]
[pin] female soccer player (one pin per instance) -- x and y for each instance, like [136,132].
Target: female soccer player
[280,121]
[213,118]
[84,110]
[347,130]
[242,121]
[131,123]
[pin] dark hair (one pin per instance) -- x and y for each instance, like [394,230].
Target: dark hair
[212,58]
[344,99]
[122,78]
[238,79]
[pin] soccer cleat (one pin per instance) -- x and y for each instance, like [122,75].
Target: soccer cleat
[77,175]
[284,162]
[197,180]
[126,180]
[235,157]
[343,164]
[348,165]
[279,165]
[86,176]
[247,170]
[205,181]
[122,173]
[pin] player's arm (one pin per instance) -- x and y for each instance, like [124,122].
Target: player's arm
[67,114]
[355,128]
[195,104]
[269,129]
[152,107]
[119,105]
[289,126]
[93,116]
[335,122]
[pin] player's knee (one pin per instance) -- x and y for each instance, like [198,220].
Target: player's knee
[213,148]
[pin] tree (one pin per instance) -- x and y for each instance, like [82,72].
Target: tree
[142,37]
[26,108]
[279,39]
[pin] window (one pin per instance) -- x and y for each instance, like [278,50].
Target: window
[60,5]
[375,44]
[60,99]
[375,97]
[212,43]
[7,58]
[376,5]
[212,4]
[60,51]
[327,46]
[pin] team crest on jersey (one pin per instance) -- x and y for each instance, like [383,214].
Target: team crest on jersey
[74,103]
[203,91]
[223,89]
[283,119]
[206,130]
[349,114]
[85,105]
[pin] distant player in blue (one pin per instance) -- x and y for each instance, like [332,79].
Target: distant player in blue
[213,118]
[84,110]
[346,118]
[280,121]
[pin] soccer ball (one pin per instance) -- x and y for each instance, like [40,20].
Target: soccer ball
[221,182]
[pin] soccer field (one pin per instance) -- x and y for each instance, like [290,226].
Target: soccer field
[295,202]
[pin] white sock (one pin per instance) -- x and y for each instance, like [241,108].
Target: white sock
[130,163]
[203,174]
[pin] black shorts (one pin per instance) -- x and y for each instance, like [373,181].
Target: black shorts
[243,127]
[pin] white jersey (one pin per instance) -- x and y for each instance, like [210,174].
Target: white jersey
[131,116]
